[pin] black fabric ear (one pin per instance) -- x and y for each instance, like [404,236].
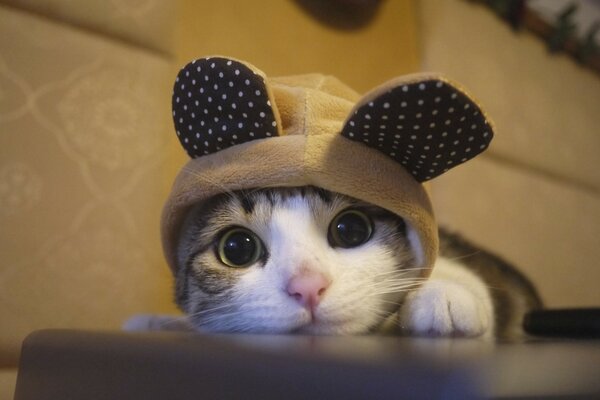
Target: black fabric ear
[428,126]
[218,103]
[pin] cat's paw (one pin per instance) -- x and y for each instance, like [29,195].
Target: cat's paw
[441,308]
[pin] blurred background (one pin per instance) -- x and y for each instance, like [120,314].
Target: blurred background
[88,151]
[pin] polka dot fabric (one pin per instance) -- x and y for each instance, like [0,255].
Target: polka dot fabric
[427,126]
[218,103]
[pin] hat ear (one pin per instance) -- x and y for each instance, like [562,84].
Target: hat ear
[218,103]
[425,123]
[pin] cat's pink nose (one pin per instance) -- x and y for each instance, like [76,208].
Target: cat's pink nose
[308,288]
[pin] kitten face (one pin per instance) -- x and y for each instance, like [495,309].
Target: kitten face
[293,260]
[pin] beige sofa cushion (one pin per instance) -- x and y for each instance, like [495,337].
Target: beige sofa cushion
[145,23]
[548,229]
[83,155]
[545,106]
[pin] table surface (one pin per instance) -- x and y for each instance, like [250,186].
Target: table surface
[67,364]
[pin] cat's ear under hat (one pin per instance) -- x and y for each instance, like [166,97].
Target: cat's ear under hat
[220,102]
[426,123]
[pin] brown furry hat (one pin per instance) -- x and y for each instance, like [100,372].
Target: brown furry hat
[244,130]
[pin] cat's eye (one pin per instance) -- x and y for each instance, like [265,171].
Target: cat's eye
[350,228]
[239,248]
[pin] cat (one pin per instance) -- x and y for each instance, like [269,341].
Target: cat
[311,261]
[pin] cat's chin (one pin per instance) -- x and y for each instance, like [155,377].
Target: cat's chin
[329,328]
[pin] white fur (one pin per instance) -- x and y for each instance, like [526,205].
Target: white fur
[453,302]
[366,285]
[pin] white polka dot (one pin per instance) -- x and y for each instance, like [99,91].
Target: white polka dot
[250,104]
[233,105]
[444,134]
[405,88]
[351,134]
[434,112]
[482,146]
[247,82]
[459,130]
[422,86]
[197,135]
[351,123]
[367,126]
[429,136]
[197,103]
[237,71]
[241,94]
[437,99]
[371,104]
[216,87]
[420,102]
[419,115]
[224,96]
[189,127]
[468,150]
[397,136]
[209,99]
[384,117]
[473,126]
[403,104]
[399,127]
[453,96]
[386,105]
[485,134]
[467,106]
[229,62]
[220,139]
[471,138]
[186,140]
[251,134]
[438,85]
[240,125]
[274,123]
[367,116]
[230,84]
[432,125]
[257,92]
[262,114]
[416,127]
[451,110]
[413,137]
[381,126]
